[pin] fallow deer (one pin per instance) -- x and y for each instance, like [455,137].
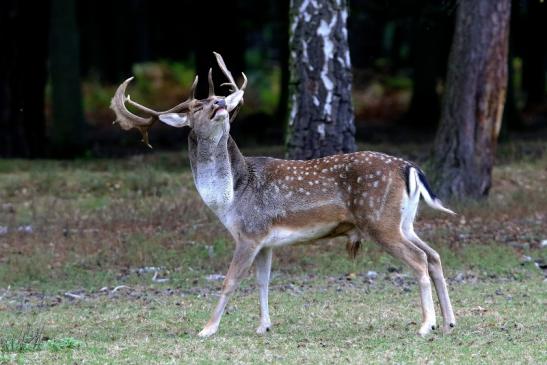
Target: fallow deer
[266,202]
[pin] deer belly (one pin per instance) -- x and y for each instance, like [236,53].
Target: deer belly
[280,236]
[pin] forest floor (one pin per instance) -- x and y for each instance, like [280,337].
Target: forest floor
[118,261]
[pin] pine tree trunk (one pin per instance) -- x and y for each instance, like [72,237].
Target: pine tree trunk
[473,100]
[321,114]
[68,119]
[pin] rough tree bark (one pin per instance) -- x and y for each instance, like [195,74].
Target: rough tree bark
[321,113]
[473,100]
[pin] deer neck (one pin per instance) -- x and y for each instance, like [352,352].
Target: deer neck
[218,168]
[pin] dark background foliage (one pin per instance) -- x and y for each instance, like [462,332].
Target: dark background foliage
[63,58]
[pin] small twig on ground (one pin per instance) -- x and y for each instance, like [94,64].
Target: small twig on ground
[215,277]
[6,293]
[147,269]
[73,296]
[118,288]
[159,280]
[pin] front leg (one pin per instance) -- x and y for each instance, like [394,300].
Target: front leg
[263,263]
[243,258]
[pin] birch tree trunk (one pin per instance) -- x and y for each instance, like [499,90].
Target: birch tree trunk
[473,99]
[321,114]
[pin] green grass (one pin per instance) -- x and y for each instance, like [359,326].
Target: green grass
[321,324]
[96,222]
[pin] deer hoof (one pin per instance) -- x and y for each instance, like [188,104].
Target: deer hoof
[262,329]
[448,328]
[208,331]
[426,328]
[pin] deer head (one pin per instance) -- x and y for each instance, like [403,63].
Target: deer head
[207,117]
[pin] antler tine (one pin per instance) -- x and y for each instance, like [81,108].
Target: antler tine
[228,74]
[231,83]
[244,81]
[223,67]
[193,88]
[234,86]
[211,85]
[142,108]
[187,104]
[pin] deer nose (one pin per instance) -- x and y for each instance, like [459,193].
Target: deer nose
[221,103]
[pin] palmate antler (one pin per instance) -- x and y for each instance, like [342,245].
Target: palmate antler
[128,120]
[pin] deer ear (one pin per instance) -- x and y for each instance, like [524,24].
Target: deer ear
[233,100]
[175,120]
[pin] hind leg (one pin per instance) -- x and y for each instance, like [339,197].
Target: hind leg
[436,272]
[416,259]
[263,264]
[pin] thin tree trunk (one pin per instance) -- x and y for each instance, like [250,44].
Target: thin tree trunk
[533,62]
[68,119]
[321,114]
[474,98]
[23,74]
[512,120]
